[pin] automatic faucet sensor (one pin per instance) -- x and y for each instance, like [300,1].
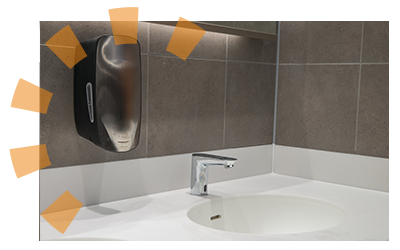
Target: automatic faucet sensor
[107,94]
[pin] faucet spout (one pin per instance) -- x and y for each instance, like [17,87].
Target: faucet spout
[200,164]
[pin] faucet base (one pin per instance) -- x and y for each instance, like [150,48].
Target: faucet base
[200,193]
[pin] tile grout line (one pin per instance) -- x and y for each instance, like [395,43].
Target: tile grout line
[276,96]
[226,80]
[147,90]
[312,64]
[276,82]
[359,88]
[208,59]
[239,61]
[332,64]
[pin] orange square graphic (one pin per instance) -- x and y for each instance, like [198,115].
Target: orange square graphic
[124,24]
[125,32]
[30,97]
[185,38]
[29,159]
[66,46]
[62,211]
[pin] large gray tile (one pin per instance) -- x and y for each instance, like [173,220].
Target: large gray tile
[320,42]
[250,49]
[317,107]
[373,118]
[376,42]
[186,105]
[249,104]
[212,45]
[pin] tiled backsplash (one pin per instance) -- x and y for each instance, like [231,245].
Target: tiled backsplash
[333,87]
[221,97]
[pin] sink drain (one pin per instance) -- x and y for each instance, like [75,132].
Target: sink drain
[215,217]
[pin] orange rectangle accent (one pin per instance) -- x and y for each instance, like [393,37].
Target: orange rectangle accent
[124,24]
[30,97]
[62,211]
[124,14]
[185,38]
[29,159]
[66,46]
[122,33]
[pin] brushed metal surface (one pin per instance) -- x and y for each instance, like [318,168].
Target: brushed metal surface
[118,91]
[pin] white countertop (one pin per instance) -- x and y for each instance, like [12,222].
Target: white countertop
[162,216]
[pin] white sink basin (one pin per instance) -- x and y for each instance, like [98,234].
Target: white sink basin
[267,214]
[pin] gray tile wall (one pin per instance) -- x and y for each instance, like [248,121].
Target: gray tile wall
[333,87]
[332,93]
[221,97]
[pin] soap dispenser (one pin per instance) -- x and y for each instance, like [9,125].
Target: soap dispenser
[107,94]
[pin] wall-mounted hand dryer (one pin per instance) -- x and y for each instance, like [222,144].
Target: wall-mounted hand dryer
[107,94]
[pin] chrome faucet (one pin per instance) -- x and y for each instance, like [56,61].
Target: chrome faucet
[200,163]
